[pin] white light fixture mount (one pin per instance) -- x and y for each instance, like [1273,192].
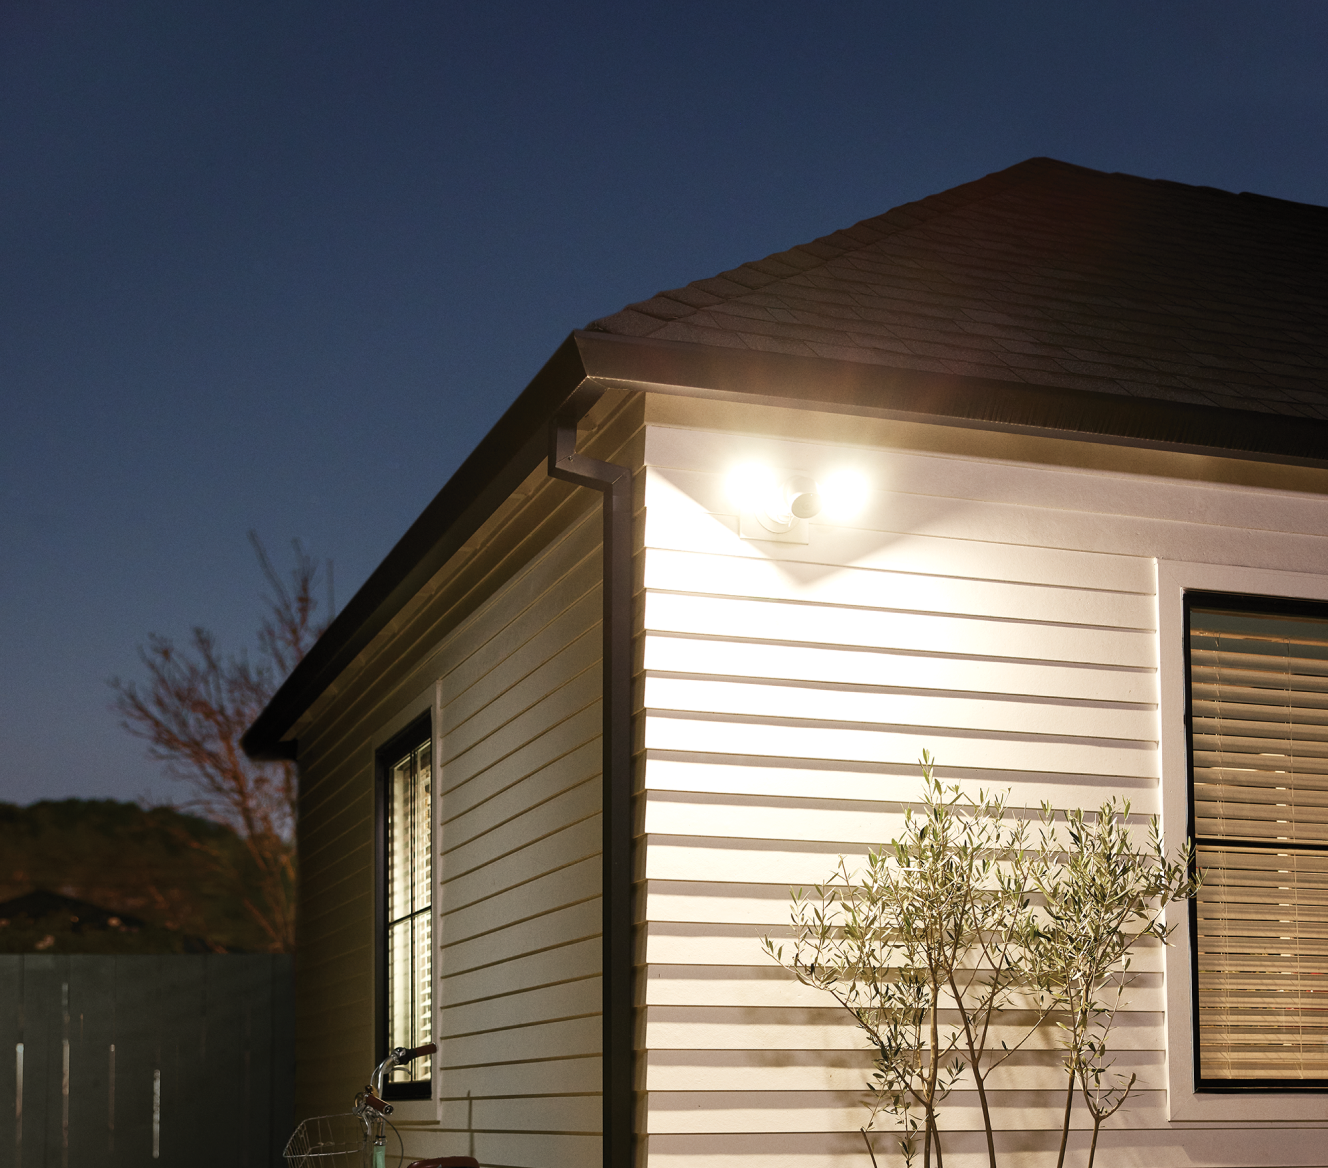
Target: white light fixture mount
[783,515]
[779,508]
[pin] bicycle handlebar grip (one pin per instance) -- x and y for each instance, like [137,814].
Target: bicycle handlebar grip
[427,1048]
[378,1105]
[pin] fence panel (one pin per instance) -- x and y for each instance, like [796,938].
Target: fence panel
[92,1034]
[170,1061]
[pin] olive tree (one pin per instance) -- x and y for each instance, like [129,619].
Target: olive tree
[956,942]
[926,945]
[1100,894]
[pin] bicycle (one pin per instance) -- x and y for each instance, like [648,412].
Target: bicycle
[358,1138]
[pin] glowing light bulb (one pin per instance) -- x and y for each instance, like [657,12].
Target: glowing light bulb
[844,493]
[751,486]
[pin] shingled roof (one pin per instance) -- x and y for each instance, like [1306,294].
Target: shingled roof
[1050,274]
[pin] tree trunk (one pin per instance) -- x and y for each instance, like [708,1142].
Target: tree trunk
[1092,1148]
[867,1140]
[1065,1123]
[977,1073]
[934,1040]
[986,1118]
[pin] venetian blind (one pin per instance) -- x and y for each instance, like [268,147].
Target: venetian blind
[410,910]
[1259,740]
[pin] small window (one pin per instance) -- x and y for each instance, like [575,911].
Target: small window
[406,907]
[1258,717]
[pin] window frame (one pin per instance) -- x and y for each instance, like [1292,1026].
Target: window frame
[1255,605]
[416,734]
[1187,1099]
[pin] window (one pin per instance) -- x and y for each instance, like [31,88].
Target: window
[406,906]
[1258,718]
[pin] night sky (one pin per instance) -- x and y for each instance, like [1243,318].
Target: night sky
[278,264]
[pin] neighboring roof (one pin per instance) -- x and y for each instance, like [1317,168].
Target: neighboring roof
[1050,274]
[82,914]
[64,915]
[1046,298]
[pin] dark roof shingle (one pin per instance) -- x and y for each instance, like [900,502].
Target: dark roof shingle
[1050,274]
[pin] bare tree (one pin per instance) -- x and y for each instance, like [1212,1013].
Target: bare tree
[194,705]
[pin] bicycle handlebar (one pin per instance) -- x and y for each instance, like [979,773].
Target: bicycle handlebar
[397,1058]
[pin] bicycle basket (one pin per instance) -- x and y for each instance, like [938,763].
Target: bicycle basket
[329,1141]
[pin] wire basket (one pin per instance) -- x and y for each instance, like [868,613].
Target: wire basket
[329,1141]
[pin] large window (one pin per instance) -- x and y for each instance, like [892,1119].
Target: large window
[406,906]
[1258,717]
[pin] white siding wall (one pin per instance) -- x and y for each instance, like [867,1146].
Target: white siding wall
[1000,615]
[518,1009]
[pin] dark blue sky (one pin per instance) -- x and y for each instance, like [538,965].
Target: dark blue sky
[280,264]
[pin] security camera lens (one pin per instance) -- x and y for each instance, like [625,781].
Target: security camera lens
[806,505]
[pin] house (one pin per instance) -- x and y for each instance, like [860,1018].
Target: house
[631,676]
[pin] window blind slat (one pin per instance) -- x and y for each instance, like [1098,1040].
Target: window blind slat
[1266,722]
[1253,821]
[1230,786]
[1312,782]
[1259,757]
[1206,695]
[1249,740]
[1234,909]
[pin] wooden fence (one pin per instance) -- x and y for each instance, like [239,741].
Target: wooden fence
[154,1062]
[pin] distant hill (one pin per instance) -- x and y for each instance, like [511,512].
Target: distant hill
[180,879]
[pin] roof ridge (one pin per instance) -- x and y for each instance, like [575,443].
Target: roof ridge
[928,207]
[1205,188]
[674,303]
[954,197]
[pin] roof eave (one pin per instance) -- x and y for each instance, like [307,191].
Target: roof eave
[518,443]
[883,391]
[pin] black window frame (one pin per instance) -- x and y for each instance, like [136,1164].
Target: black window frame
[1259,604]
[411,738]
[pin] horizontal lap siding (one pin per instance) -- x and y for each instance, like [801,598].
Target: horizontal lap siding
[334,968]
[1001,616]
[509,628]
[517,1014]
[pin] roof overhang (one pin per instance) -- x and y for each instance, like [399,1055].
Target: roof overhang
[588,363]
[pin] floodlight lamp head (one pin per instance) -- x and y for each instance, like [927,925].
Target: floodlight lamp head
[775,506]
[800,498]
